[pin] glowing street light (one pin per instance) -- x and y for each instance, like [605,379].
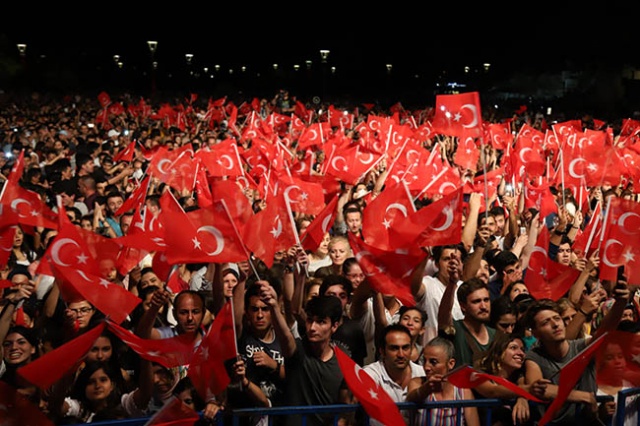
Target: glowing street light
[324,54]
[189,58]
[22,48]
[153,46]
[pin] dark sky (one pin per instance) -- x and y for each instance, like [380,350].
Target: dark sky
[412,35]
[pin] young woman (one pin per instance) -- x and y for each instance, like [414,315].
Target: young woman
[339,251]
[414,319]
[505,358]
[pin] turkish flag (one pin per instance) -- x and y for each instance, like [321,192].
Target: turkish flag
[50,367]
[303,197]
[222,159]
[499,134]
[69,256]
[28,206]
[379,215]
[104,99]
[438,223]
[621,244]
[174,413]
[374,399]
[319,226]
[137,197]
[126,154]
[145,232]
[6,243]
[315,134]
[458,115]
[349,165]
[537,194]
[170,352]
[17,410]
[388,272]
[569,376]
[545,278]
[468,378]
[182,175]
[588,240]
[203,190]
[467,153]
[270,230]
[204,235]
[235,200]
[208,367]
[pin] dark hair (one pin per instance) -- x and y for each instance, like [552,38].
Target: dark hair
[333,279]
[324,307]
[468,287]
[538,306]
[501,260]
[405,308]
[437,251]
[185,384]
[501,306]
[382,343]
[492,357]
[78,391]
[348,263]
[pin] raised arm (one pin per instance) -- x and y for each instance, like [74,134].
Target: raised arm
[282,330]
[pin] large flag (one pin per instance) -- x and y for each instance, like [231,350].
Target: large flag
[380,214]
[52,366]
[438,223]
[374,399]
[70,257]
[618,359]
[545,278]
[388,272]
[467,377]
[170,352]
[569,376]
[319,226]
[621,245]
[208,367]
[458,115]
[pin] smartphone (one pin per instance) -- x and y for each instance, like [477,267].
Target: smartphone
[621,277]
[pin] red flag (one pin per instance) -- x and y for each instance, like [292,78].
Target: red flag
[304,197]
[380,214]
[569,376]
[270,230]
[388,272]
[208,367]
[17,410]
[374,399]
[126,154]
[170,352]
[545,278]
[468,378]
[203,190]
[458,115]
[6,243]
[467,153]
[137,197]
[588,239]
[204,235]
[69,255]
[104,99]
[222,159]
[237,203]
[319,226]
[438,223]
[620,245]
[28,206]
[174,413]
[618,359]
[49,368]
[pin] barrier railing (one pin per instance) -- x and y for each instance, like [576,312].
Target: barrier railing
[340,410]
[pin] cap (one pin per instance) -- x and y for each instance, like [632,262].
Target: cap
[112,133]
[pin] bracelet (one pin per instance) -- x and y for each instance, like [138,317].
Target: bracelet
[583,312]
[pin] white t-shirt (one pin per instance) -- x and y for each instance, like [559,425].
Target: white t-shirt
[430,303]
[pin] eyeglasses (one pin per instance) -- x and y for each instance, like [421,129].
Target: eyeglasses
[81,311]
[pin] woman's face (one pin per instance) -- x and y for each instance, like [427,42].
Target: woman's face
[303,226]
[323,248]
[18,237]
[513,356]
[338,252]
[614,364]
[314,290]
[355,275]
[506,323]
[412,319]
[17,349]
[186,397]
[518,289]
[229,282]
[435,361]
[99,386]
[101,350]
[81,313]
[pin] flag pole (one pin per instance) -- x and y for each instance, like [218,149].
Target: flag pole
[293,227]
[486,185]
[604,223]
[430,184]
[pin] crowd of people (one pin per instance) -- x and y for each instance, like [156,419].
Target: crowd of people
[468,303]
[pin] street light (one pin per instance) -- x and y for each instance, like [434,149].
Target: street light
[153,46]
[22,48]
[324,54]
[189,58]
[389,68]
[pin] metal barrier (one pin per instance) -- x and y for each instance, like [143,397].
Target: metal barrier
[339,410]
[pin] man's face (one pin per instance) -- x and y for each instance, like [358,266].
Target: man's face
[319,330]
[477,306]
[354,221]
[490,222]
[483,271]
[549,326]
[500,221]
[449,257]
[114,203]
[189,313]
[396,353]
[258,314]
[511,273]
[125,223]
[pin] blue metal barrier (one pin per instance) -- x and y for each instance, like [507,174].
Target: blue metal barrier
[339,410]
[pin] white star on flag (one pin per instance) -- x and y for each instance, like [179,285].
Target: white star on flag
[104,283]
[386,223]
[196,243]
[304,196]
[374,394]
[629,256]
[82,258]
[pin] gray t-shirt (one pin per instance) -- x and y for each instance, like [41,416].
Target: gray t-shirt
[567,414]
